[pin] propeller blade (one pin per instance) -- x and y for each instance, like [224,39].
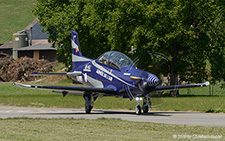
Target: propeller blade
[135,78]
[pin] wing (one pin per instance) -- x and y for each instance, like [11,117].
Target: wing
[68,89]
[175,87]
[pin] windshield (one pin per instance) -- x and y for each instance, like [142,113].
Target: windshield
[119,60]
[104,58]
[115,59]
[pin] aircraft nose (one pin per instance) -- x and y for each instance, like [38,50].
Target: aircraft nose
[152,80]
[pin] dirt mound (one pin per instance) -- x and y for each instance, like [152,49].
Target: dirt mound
[19,70]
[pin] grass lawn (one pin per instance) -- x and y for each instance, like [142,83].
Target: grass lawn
[15,16]
[100,129]
[12,95]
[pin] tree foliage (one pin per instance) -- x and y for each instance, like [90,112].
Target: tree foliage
[189,32]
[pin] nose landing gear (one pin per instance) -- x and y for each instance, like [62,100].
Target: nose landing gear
[145,107]
[138,106]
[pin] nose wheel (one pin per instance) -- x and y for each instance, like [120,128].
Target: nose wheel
[138,109]
[145,107]
[146,102]
[138,106]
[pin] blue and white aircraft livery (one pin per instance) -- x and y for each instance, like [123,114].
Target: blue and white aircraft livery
[112,74]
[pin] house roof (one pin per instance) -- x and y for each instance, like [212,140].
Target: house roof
[37,47]
[38,37]
[8,45]
[31,24]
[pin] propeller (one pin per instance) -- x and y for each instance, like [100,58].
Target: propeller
[147,81]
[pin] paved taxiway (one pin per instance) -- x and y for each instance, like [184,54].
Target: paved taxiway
[167,117]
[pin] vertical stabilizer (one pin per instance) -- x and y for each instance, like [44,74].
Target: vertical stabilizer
[75,44]
[77,57]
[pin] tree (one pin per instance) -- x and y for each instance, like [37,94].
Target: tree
[190,33]
[187,32]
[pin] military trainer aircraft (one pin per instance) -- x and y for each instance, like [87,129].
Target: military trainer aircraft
[112,74]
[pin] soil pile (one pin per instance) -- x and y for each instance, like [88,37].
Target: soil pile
[20,69]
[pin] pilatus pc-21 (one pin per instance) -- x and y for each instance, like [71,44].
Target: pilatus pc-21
[112,74]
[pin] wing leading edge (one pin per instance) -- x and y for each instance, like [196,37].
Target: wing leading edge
[175,87]
[67,89]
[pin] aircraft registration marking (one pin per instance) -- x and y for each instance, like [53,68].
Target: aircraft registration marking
[101,73]
[114,76]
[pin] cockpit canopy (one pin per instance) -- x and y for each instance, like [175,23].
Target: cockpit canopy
[115,59]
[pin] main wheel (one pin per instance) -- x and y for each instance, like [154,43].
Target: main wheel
[138,110]
[88,109]
[88,105]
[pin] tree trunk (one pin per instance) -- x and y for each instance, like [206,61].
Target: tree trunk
[174,81]
[173,70]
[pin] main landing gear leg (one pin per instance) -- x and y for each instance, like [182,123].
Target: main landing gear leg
[88,101]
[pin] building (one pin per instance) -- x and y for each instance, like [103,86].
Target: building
[6,48]
[30,42]
[39,51]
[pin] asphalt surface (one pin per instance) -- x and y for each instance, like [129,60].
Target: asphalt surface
[166,117]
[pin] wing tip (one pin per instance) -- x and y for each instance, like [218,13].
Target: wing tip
[206,83]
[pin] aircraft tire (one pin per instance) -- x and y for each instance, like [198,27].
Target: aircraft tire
[88,109]
[88,106]
[138,110]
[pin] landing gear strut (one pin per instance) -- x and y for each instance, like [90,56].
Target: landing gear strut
[145,107]
[146,102]
[89,101]
[138,106]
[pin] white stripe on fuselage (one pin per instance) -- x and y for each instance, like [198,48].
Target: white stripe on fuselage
[109,73]
[76,58]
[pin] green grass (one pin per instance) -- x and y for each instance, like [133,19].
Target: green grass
[99,129]
[102,129]
[215,90]
[12,95]
[204,104]
[15,16]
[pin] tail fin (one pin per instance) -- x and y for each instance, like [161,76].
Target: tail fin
[75,44]
[77,57]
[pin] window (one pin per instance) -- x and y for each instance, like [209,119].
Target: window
[119,60]
[115,59]
[104,58]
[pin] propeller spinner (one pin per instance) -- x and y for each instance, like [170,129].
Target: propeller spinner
[148,82]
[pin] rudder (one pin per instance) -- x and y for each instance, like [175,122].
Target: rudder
[77,57]
[75,44]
